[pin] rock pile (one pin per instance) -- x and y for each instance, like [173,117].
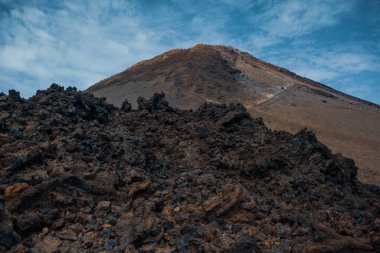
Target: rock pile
[80,175]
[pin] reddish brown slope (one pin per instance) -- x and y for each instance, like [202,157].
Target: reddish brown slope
[219,74]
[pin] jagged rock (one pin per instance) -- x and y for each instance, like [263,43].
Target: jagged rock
[138,187]
[103,205]
[29,223]
[234,118]
[78,174]
[14,95]
[13,191]
[8,237]
[340,169]
[221,204]
[157,102]
[206,179]
[126,106]
[67,235]
[49,244]
[138,226]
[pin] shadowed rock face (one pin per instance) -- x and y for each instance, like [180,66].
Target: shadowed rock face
[219,74]
[79,174]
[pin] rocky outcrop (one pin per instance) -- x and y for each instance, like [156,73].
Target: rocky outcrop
[80,175]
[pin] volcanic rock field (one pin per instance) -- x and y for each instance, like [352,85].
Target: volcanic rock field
[80,175]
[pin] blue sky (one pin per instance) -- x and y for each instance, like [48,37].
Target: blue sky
[77,43]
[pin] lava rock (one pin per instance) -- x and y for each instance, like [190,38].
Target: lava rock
[8,237]
[81,175]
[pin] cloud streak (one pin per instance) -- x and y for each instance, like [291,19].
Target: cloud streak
[287,19]
[74,44]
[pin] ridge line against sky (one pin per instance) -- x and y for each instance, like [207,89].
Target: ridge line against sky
[77,43]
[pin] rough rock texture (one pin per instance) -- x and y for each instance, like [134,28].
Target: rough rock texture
[80,175]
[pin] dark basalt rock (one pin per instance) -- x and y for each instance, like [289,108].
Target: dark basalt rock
[78,174]
[157,102]
[14,95]
[8,237]
[126,106]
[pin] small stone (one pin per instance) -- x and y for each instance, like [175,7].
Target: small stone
[21,249]
[106,232]
[27,223]
[138,187]
[111,220]
[76,228]
[106,225]
[300,231]
[88,244]
[8,237]
[103,205]
[86,210]
[84,218]
[13,191]
[49,244]
[70,216]
[206,179]
[92,234]
[89,175]
[67,235]
[58,224]
[110,244]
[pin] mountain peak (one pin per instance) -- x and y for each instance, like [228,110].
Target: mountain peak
[185,54]
[286,101]
[202,46]
[207,71]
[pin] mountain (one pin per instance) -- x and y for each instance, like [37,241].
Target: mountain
[80,175]
[286,101]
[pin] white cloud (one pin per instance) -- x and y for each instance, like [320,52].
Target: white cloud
[318,73]
[360,89]
[348,62]
[262,41]
[78,44]
[295,18]
[326,65]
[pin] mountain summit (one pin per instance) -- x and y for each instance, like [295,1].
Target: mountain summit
[286,101]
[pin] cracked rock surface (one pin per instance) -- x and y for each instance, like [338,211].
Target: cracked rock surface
[80,175]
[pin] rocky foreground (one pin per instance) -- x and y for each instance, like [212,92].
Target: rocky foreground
[80,175]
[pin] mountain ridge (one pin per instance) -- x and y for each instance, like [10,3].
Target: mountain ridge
[166,54]
[285,100]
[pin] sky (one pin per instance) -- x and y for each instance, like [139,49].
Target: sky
[78,43]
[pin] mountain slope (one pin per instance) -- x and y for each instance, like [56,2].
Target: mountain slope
[286,101]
